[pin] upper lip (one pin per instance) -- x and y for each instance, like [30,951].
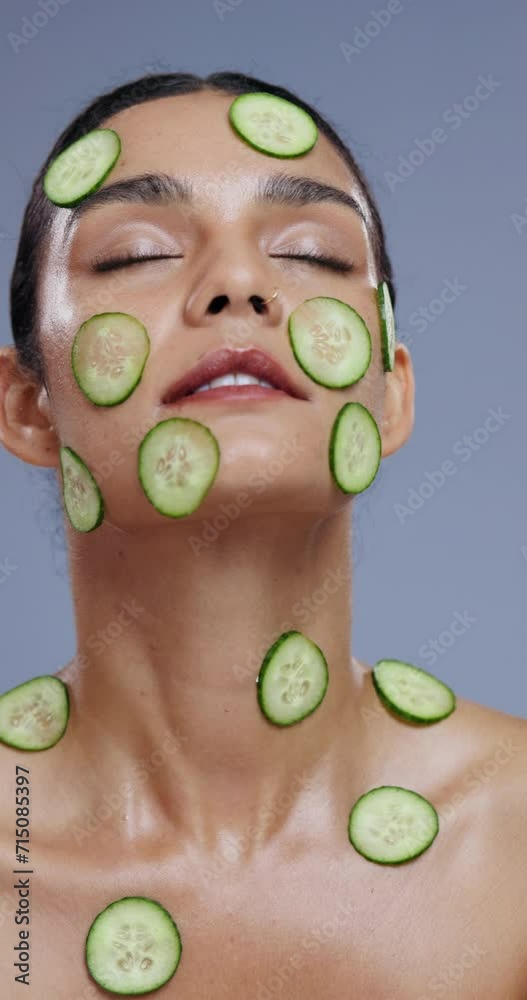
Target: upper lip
[250,360]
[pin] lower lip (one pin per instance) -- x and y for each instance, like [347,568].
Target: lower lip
[240,392]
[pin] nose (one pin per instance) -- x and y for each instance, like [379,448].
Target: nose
[236,287]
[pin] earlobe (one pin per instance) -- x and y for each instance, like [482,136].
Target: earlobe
[26,430]
[398,411]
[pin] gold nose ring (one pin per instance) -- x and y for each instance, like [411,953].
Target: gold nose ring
[265,301]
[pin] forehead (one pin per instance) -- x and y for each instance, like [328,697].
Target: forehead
[190,134]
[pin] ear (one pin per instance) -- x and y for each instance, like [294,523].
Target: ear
[26,428]
[399,396]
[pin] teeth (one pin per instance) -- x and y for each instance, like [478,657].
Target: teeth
[234,378]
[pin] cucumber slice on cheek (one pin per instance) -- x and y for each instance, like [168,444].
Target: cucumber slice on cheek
[34,715]
[177,463]
[411,692]
[81,168]
[354,449]
[391,825]
[387,326]
[82,497]
[273,125]
[108,356]
[330,341]
[293,679]
[133,946]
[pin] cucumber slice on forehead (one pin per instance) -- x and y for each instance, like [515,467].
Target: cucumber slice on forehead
[81,168]
[411,692]
[108,356]
[330,341]
[293,679]
[354,448]
[387,326]
[177,463]
[273,125]
[133,946]
[82,497]
[391,825]
[34,715]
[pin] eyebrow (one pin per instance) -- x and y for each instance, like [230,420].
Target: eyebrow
[164,189]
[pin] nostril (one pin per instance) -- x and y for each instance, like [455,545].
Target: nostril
[217,304]
[258,303]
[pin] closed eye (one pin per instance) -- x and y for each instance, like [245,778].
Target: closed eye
[126,260]
[322,260]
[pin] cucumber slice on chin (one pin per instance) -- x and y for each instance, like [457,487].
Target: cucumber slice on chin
[178,461]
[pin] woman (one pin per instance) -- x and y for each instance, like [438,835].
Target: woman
[170,782]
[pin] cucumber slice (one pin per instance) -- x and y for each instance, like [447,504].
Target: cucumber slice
[82,496]
[293,679]
[177,462]
[411,692]
[108,356]
[273,125]
[81,168]
[133,946]
[330,341]
[354,448]
[34,715]
[387,326]
[391,825]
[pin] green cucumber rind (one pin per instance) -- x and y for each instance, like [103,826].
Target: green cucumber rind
[340,385]
[95,186]
[332,446]
[94,483]
[409,857]
[110,906]
[387,358]
[266,662]
[67,708]
[145,487]
[403,713]
[263,149]
[73,355]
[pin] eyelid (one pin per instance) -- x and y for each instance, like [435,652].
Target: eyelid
[330,261]
[127,258]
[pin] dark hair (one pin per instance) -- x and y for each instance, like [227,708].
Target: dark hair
[40,211]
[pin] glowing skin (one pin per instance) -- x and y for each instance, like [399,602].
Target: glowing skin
[165,731]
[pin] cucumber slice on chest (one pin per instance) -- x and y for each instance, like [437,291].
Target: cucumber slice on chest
[411,692]
[82,497]
[273,125]
[354,448]
[108,356]
[387,326]
[177,463]
[133,946]
[391,825]
[330,341]
[81,168]
[34,715]
[293,679]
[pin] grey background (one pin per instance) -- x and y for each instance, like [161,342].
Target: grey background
[465,549]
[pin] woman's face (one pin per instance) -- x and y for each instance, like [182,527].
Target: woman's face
[224,244]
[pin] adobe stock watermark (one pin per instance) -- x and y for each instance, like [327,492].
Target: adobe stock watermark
[465,449]
[223,7]
[362,37]
[30,27]
[6,570]
[103,637]
[421,318]
[432,649]
[454,116]
[452,975]
[519,220]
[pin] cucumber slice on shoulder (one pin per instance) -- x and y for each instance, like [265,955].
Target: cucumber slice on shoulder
[273,124]
[81,168]
[412,692]
[387,326]
[178,460]
[133,946]
[391,825]
[108,356]
[34,715]
[82,497]
[293,679]
[330,341]
[354,448]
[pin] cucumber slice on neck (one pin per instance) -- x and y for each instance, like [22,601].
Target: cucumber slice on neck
[81,168]
[178,460]
[391,825]
[293,679]
[387,326]
[355,448]
[330,341]
[133,946]
[412,692]
[82,497]
[273,125]
[108,356]
[34,715]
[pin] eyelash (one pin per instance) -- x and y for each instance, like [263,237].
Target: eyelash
[337,264]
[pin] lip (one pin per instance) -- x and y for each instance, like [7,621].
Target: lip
[250,360]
